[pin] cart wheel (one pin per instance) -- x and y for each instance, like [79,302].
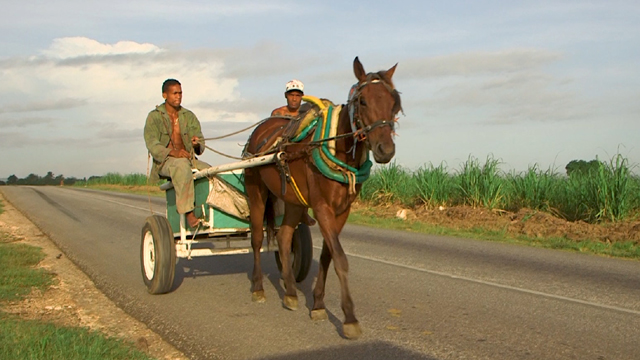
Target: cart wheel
[301,252]
[157,255]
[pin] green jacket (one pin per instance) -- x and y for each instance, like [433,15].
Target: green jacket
[157,133]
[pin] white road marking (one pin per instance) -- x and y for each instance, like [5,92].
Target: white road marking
[132,206]
[534,292]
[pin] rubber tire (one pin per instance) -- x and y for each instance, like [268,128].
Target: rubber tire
[302,252]
[161,263]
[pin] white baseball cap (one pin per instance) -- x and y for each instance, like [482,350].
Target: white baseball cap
[294,85]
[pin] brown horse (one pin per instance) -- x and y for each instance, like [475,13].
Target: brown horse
[374,104]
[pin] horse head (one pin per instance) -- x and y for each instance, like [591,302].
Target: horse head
[373,105]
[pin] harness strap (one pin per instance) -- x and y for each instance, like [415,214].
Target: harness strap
[296,191]
[285,175]
[284,172]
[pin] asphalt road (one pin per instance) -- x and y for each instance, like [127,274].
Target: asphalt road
[416,296]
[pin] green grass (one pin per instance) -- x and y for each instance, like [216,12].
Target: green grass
[434,185]
[610,192]
[27,339]
[389,184]
[616,249]
[138,190]
[135,183]
[135,179]
[17,275]
[606,194]
[533,189]
[481,185]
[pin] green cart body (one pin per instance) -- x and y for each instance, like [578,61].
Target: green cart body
[221,222]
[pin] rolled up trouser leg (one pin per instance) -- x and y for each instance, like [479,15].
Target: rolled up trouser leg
[179,170]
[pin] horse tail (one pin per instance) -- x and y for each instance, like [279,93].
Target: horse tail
[270,218]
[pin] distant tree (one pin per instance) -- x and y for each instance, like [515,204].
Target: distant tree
[59,180]
[32,179]
[12,180]
[70,180]
[2,183]
[582,166]
[48,179]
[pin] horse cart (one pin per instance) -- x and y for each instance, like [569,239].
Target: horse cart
[224,229]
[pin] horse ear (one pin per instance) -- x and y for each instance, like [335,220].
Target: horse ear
[358,70]
[389,73]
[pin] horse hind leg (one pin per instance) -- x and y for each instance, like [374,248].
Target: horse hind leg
[270,218]
[319,312]
[292,216]
[257,193]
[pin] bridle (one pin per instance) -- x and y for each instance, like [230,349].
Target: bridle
[359,129]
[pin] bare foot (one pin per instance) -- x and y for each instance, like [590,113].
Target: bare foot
[192,220]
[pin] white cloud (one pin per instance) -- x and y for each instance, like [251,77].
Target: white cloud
[120,81]
[51,104]
[479,62]
[71,47]
[21,122]
[498,87]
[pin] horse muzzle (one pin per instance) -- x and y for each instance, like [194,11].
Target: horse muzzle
[383,153]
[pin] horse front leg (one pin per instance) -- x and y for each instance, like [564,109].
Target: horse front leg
[330,226]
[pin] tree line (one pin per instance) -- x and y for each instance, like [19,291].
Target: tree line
[33,179]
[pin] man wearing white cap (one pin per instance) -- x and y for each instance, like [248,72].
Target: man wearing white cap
[293,92]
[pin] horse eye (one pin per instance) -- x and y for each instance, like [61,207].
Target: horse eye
[363,102]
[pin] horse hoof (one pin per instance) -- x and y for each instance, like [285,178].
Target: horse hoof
[258,296]
[291,302]
[352,331]
[319,315]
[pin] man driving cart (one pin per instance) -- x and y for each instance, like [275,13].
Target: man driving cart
[173,137]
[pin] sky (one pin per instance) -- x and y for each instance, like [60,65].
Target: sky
[530,83]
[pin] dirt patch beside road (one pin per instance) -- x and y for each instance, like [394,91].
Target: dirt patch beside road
[74,300]
[526,222]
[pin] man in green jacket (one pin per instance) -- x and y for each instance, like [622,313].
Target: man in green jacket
[173,137]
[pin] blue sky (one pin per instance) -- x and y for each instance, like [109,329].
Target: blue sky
[528,82]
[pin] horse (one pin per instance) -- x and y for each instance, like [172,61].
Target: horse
[366,124]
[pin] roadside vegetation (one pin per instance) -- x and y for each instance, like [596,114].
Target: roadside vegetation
[606,191]
[116,179]
[135,183]
[602,195]
[31,339]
